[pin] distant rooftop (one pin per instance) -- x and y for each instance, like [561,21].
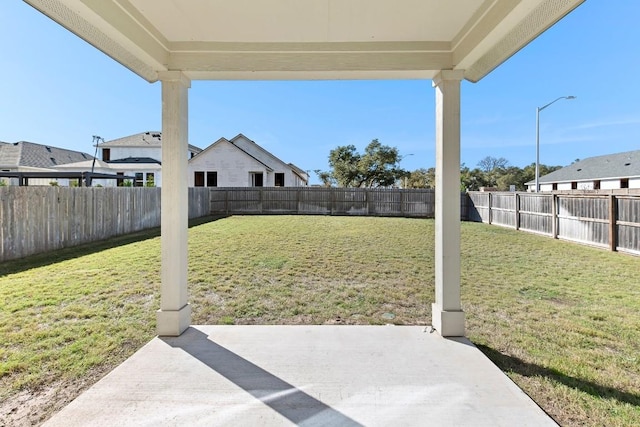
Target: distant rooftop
[619,165]
[30,154]
[142,139]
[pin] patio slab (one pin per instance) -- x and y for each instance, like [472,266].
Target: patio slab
[307,376]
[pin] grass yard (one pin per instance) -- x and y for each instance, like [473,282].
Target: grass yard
[562,320]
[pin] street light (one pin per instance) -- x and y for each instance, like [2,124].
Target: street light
[404,185]
[538,109]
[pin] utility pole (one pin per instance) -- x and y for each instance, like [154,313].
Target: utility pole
[96,141]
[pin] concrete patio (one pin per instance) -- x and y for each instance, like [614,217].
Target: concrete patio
[308,376]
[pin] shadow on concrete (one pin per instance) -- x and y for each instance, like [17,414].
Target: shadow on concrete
[59,255]
[513,364]
[284,398]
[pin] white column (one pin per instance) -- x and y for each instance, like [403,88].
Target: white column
[447,314]
[174,315]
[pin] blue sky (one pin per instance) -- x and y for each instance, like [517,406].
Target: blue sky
[58,90]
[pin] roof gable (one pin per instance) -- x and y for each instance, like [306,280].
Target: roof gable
[148,139]
[254,150]
[225,141]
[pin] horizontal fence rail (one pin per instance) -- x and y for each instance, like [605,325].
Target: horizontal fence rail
[40,219]
[608,221]
[326,201]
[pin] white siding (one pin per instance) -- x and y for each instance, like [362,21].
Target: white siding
[610,184]
[634,182]
[586,185]
[278,166]
[564,186]
[543,187]
[124,152]
[232,165]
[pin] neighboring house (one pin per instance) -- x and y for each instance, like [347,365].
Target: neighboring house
[240,162]
[610,172]
[138,155]
[27,156]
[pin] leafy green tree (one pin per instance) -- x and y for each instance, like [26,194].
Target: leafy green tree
[378,166]
[512,175]
[420,178]
[472,179]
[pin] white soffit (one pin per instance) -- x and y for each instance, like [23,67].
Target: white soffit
[307,39]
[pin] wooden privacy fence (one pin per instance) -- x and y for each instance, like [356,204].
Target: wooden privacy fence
[608,221]
[40,219]
[325,201]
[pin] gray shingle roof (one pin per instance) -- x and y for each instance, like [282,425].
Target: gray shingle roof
[30,154]
[619,165]
[142,139]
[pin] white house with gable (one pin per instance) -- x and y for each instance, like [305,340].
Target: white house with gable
[240,162]
[138,155]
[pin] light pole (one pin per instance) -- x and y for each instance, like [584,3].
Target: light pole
[538,109]
[404,185]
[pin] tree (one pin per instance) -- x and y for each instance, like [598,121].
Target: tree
[511,176]
[421,178]
[489,164]
[472,179]
[377,167]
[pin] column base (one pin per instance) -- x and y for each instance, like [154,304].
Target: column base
[447,323]
[172,323]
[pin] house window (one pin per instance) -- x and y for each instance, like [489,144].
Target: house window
[574,185]
[554,186]
[106,154]
[120,180]
[212,179]
[596,185]
[151,180]
[279,180]
[256,179]
[198,179]
[624,183]
[139,182]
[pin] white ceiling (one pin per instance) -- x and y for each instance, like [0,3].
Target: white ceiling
[307,39]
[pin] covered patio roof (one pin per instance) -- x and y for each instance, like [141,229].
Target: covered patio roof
[177,41]
[311,39]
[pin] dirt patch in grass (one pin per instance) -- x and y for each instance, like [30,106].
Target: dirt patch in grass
[32,407]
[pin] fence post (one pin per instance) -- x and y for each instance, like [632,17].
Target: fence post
[490,213]
[261,199]
[366,201]
[554,216]
[332,200]
[517,211]
[613,217]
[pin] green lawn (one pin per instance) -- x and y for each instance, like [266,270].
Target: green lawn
[563,320]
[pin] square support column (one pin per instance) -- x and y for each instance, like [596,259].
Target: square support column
[447,314]
[174,315]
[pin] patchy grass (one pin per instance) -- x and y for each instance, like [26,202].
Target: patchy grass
[561,319]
